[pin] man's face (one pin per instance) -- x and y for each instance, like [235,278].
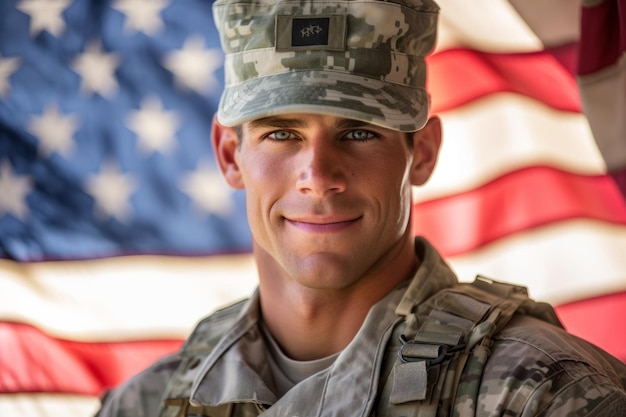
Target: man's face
[328,198]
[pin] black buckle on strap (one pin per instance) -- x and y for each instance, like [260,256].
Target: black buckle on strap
[443,351]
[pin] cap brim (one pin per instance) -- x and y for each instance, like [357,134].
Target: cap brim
[385,104]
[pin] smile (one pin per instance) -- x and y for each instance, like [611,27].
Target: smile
[322,227]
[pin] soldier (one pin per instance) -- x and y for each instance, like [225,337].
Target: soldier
[324,122]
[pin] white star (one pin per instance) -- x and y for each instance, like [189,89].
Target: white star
[142,15]
[13,190]
[111,189]
[45,15]
[7,68]
[155,128]
[194,66]
[54,131]
[96,68]
[208,190]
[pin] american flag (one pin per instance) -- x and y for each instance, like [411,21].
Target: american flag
[117,233]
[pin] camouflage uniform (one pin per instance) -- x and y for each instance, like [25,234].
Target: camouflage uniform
[533,368]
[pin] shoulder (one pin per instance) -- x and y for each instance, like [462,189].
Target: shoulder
[540,369]
[211,329]
[142,395]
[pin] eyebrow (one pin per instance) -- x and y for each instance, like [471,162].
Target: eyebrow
[276,122]
[282,122]
[351,124]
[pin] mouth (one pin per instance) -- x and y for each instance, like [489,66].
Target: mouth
[322,226]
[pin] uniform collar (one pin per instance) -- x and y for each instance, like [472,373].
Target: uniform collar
[236,370]
[432,276]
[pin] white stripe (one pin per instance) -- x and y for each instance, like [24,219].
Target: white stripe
[504,132]
[47,405]
[484,25]
[128,297]
[143,297]
[562,262]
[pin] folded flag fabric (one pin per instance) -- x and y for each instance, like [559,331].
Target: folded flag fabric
[117,232]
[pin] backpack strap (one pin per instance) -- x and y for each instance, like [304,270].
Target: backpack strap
[449,334]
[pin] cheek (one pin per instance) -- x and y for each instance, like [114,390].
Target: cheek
[258,171]
[397,194]
[264,180]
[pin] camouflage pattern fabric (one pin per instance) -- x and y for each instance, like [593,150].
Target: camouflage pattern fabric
[529,368]
[535,370]
[359,60]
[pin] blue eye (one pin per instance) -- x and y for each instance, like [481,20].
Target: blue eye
[280,135]
[360,134]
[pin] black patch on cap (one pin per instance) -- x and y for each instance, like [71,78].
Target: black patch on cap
[295,33]
[310,31]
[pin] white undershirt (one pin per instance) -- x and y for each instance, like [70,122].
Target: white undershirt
[288,372]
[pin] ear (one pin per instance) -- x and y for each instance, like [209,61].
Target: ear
[426,145]
[226,147]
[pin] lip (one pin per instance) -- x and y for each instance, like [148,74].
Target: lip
[321,226]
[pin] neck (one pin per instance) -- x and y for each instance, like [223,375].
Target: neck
[312,323]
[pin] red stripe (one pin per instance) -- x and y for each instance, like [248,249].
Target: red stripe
[599,320]
[515,202]
[602,37]
[459,76]
[32,361]
[566,54]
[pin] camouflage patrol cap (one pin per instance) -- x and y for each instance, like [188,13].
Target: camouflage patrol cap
[357,59]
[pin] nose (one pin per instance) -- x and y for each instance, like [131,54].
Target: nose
[322,170]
